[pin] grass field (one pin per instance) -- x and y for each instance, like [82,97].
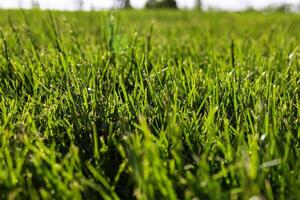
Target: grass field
[149,105]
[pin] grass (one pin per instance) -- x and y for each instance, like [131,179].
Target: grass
[149,105]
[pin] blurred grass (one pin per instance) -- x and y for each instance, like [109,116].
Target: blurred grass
[149,105]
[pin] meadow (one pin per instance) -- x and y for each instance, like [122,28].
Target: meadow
[153,104]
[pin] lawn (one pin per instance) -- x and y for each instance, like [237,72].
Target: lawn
[149,105]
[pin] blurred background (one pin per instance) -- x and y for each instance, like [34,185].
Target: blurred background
[183,4]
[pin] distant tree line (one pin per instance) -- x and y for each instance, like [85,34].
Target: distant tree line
[157,4]
[126,4]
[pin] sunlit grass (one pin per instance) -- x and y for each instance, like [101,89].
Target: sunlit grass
[149,105]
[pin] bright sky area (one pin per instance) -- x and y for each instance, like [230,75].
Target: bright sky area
[106,4]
